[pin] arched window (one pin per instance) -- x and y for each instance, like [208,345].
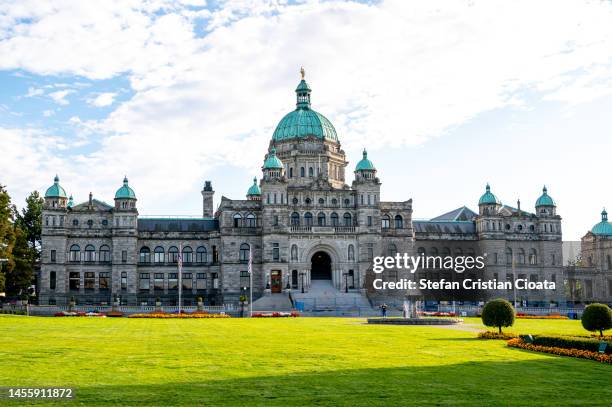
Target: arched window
[334,219]
[392,249]
[533,257]
[310,172]
[187,254]
[351,253]
[421,251]
[75,253]
[321,219]
[308,219]
[521,256]
[201,255]
[348,219]
[158,255]
[508,255]
[244,252]
[144,255]
[470,252]
[445,252]
[433,251]
[399,222]
[173,254]
[295,219]
[609,262]
[458,251]
[294,253]
[250,221]
[237,220]
[321,201]
[90,253]
[385,222]
[302,172]
[104,254]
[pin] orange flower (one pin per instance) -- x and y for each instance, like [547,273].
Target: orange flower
[577,353]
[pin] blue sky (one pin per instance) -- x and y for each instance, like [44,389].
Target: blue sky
[445,95]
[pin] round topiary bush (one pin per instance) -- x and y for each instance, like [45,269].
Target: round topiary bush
[498,313]
[597,317]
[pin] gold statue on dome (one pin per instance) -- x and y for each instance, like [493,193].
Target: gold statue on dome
[302,72]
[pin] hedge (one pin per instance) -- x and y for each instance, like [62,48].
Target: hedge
[569,342]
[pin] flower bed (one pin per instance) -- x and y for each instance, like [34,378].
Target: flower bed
[576,353]
[526,316]
[275,314]
[114,314]
[569,342]
[182,315]
[79,314]
[438,314]
[496,335]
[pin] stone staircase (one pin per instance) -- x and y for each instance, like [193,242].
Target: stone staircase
[273,302]
[323,298]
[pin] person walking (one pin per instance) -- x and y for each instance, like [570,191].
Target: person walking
[384,310]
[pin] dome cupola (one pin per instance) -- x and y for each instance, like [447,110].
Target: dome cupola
[272,161]
[603,228]
[303,121]
[254,193]
[365,164]
[488,198]
[125,192]
[545,199]
[55,190]
[70,202]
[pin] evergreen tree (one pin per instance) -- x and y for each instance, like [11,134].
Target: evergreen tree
[7,236]
[30,220]
[19,278]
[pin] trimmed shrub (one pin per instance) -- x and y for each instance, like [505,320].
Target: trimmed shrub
[496,335]
[498,313]
[597,317]
[569,342]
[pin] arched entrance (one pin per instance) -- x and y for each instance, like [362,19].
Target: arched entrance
[321,266]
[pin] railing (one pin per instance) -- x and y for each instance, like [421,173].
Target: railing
[126,309]
[344,229]
[301,229]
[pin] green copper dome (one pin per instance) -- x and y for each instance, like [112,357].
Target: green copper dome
[545,199]
[254,189]
[603,228]
[125,192]
[70,202]
[272,162]
[365,164]
[303,121]
[488,198]
[55,190]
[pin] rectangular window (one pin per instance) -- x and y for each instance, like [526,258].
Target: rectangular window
[294,279]
[495,276]
[124,282]
[215,280]
[104,281]
[53,256]
[124,256]
[52,280]
[369,221]
[370,253]
[187,281]
[158,281]
[145,283]
[74,280]
[275,252]
[244,280]
[90,280]
[275,220]
[201,281]
[533,278]
[173,281]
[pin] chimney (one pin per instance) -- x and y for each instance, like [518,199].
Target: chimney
[90,201]
[518,205]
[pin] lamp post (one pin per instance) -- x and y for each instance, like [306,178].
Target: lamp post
[302,280]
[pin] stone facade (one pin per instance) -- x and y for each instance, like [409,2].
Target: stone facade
[302,221]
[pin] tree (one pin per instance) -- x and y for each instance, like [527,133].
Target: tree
[30,220]
[7,235]
[498,313]
[19,278]
[597,317]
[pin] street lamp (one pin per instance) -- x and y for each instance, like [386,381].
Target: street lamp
[302,280]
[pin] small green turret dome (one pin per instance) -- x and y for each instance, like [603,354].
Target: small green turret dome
[125,192]
[364,164]
[303,121]
[70,202]
[545,199]
[272,162]
[488,198]
[55,190]
[254,189]
[603,228]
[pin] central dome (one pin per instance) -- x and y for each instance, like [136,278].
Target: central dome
[303,121]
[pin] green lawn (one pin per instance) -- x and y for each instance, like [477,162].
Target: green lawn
[301,361]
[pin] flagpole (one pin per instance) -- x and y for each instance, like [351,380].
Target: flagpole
[250,282]
[180,276]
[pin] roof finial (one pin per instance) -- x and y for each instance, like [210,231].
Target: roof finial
[604,215]
[302,72]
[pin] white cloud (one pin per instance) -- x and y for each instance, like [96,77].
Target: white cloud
[59,96]
[48,113]
[102,99]
[34,92]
